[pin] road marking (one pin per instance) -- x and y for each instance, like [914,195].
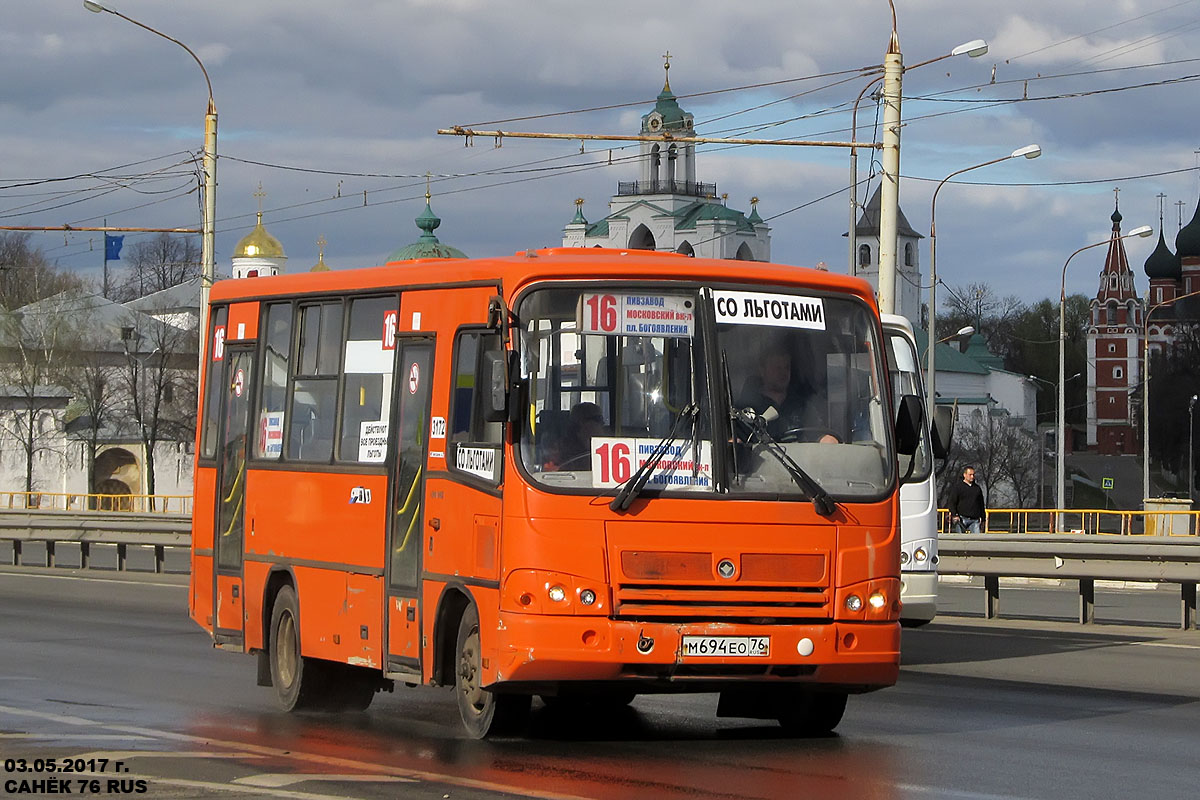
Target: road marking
[279,779]
[89,737]
[97,580]
[126,755]
[23,712]
[1167,644]
[291,755]
[942,791]
[216,786]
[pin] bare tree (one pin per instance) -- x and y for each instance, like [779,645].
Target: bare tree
[156,264]
[159,380]
[26,275]
[1005,456]
[92,377]
[32,342]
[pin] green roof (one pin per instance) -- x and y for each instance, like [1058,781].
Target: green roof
[947,358]
[687,217]
[427,246]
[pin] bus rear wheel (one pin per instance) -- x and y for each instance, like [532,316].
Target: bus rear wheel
[810,713]
[297,679]
[484,713]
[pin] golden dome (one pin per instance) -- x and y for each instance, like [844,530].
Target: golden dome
[259,244]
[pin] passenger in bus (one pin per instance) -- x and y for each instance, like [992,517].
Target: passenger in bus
[790,405]
[574,447]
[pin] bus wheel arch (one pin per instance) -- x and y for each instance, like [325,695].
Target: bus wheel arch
[277,579]
[451,605]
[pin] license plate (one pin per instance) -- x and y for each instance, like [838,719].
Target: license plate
[727,646]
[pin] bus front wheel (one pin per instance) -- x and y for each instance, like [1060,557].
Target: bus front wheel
[810,713]
[484,713]
[294,676]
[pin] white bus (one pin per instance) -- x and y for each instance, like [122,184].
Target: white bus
[918,496]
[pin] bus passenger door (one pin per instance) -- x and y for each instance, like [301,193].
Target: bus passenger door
[405,510]
[229,533]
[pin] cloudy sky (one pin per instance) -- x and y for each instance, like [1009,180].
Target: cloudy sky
[321,102]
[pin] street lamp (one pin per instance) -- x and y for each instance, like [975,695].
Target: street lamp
[1028,151]
[1146,395]
[1060,466]
[889,192]
[207,243]
[973,49]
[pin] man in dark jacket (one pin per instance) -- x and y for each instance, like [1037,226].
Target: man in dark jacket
[966,504]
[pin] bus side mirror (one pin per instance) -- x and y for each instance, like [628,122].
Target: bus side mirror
[908,425]
[943,431]
[495,386]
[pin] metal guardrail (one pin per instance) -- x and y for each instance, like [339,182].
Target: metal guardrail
[1086,558]
[121,528]
[81,501]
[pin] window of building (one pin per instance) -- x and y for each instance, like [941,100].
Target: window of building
[1112,348]
[468,428]
[1111,310]
[909,257]
[1118,373]
[864,255]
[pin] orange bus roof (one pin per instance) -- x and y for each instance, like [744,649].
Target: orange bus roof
[515,271]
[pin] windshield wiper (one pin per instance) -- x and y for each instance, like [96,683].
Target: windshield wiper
[757,423]
[633,487]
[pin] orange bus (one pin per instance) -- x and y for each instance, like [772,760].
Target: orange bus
[561,474]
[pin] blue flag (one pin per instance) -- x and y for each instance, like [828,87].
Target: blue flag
[112,247]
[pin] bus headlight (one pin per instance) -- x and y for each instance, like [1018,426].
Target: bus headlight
[877,600]
[903,557]
[557,593]
[587,597]
[853,603]
[919,555]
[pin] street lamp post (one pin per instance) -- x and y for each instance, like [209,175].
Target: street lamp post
[1029,151]
[1060,465]
[1146,393]
[889,191]
[209,165]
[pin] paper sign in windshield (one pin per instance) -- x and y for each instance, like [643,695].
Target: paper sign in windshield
[775,310]
[616,459]
[625,314]
[372,441]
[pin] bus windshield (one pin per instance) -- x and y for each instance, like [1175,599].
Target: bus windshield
[721,387]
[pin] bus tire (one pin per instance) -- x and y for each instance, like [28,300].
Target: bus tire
[812,713]
[484,713]
[351,688]
[294,676]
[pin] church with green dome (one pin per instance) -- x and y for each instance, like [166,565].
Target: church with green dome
[667,208]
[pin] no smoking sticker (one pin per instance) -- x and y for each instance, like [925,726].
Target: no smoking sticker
[414,378]
[239,383]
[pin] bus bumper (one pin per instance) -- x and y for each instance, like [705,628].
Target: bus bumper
[858,656]
[918,597]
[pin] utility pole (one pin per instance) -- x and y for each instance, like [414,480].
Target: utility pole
[889,186]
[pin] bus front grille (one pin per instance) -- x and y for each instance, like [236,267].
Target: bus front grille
[739,601]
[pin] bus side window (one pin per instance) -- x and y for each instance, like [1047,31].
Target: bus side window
[277,349]
[367,382]
[467,425]
[313,409]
